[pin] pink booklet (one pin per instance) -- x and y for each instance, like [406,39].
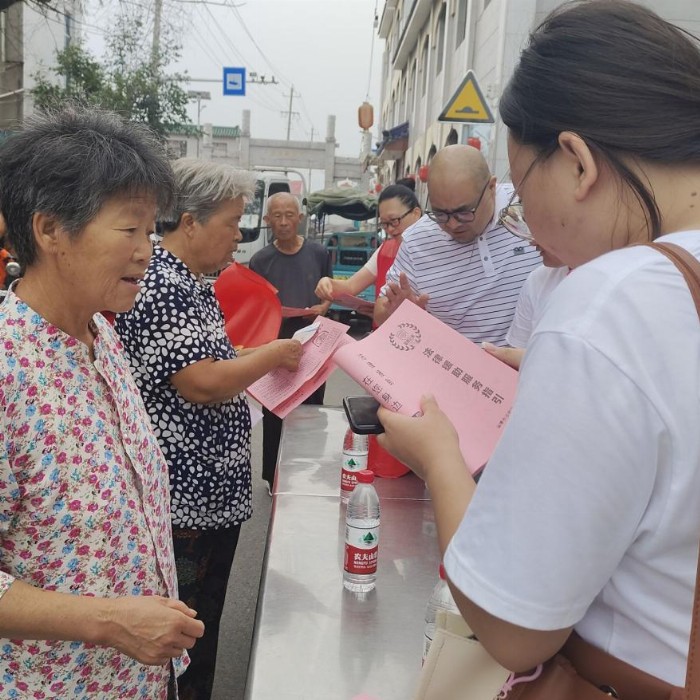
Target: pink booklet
[280,390]
[411,354]
[293,312]
[362,306]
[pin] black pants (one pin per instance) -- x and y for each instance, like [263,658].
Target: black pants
[203,559]
[272,431]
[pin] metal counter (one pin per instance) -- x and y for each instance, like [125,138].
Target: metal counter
[314,640]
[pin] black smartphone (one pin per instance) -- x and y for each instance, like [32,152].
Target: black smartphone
[362,414]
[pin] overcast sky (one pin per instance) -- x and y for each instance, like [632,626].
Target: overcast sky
[321,47]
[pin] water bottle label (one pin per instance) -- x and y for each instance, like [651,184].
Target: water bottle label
[352,463]
[361,547]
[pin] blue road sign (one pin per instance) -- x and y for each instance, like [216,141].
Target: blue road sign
[234,81]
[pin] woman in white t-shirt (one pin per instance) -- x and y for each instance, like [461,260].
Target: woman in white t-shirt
[539,285]
[587,516]
[398,209]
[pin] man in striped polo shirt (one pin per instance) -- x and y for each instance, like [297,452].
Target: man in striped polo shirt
[457,261]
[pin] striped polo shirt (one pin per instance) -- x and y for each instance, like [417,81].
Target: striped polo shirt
[473,287]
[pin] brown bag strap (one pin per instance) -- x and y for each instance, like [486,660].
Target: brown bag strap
[690,268]
[605,671]
[687,263]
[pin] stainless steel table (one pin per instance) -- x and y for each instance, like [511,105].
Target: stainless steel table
[314,640]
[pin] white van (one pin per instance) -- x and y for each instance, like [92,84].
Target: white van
[256,234]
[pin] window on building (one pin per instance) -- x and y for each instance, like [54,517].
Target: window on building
[440,41]
[3,29]
[424,68]
[219,149]
[411,90]
[177,148]
[461,21]
[403,116]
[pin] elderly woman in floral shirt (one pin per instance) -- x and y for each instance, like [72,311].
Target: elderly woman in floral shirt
[88,593]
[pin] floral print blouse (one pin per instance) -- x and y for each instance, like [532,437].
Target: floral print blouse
[84,503]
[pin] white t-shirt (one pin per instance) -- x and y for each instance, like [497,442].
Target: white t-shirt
[473,287]
[533,296]
[588,513]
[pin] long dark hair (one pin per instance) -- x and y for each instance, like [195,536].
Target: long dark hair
[401,192]
[623,79]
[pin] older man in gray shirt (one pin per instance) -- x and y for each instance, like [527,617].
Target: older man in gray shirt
[294,265]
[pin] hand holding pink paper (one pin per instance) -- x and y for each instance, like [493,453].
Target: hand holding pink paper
[412,353]
[362,306]
[280,390]
[293,312]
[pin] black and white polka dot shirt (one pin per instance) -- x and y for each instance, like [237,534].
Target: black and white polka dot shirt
[176,322]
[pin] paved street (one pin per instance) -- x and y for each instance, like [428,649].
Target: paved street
[239,613]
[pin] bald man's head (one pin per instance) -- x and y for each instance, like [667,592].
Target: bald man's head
[458,162]
[460,183]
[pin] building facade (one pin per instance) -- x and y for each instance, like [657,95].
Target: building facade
[234,145]
[30,37]
[429,47]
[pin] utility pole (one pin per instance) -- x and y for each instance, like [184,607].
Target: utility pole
[155,46]
[289,113]
[199,95]
[311,144]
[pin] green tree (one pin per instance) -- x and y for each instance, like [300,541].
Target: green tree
[85,80]
[129,81]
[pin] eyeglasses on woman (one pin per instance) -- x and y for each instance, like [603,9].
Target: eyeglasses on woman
[393,223]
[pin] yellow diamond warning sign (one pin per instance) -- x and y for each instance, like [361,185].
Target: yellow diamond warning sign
[467,104]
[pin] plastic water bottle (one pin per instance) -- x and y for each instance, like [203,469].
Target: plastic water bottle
[440,599]
[361,535]
[355,451]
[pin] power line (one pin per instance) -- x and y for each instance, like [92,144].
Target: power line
[231,45]
[55,10]
[289,112]
[267,102]
[206,2]
[208,50]
[204,45]
[255,43]
[308,115]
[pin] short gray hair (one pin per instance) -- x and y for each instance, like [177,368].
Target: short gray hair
[202,186]
[67,163]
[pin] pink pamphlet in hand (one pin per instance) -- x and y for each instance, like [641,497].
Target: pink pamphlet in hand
[412,354]
[280,390]
[362,306]
[292,312]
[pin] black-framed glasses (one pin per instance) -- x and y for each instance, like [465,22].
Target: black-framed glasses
[393,223]
[463,215]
